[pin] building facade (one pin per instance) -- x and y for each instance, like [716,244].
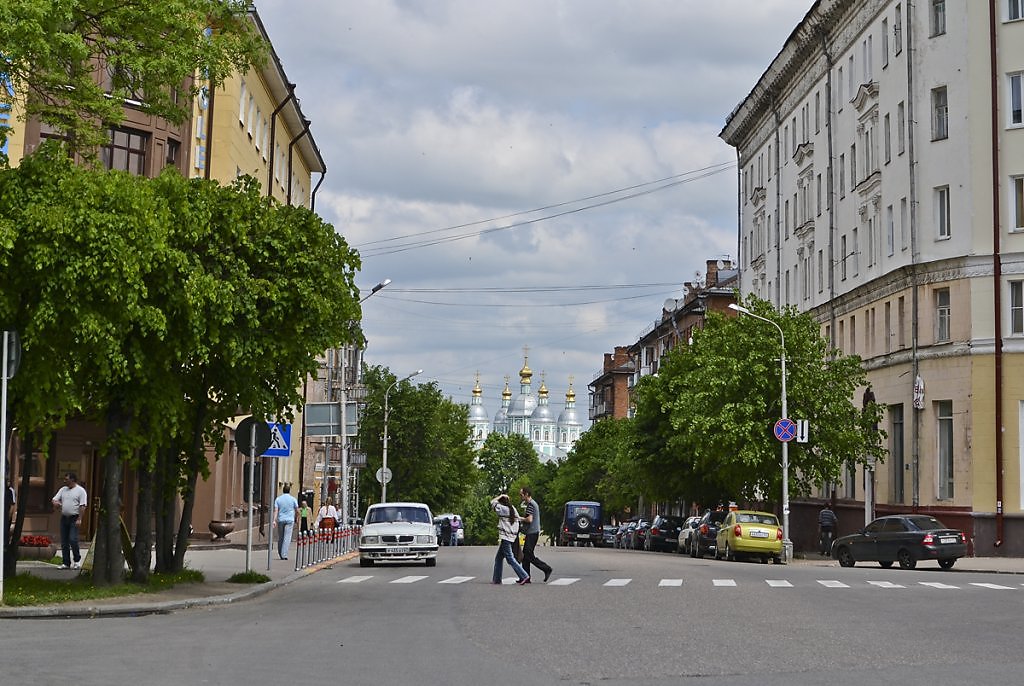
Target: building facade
[881,168]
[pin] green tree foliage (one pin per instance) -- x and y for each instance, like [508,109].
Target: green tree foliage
[705,421]
[74,63]
[429,450]
[599,467]
[505,460]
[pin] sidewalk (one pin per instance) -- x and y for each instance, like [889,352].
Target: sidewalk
[217,562]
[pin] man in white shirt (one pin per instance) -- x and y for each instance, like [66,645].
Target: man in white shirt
[72,500]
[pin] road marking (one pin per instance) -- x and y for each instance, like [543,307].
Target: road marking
[670,582]
[564,581]
[724,582]
[617,582]
[778,583]
[408,579]
[885,584]
[354,579]
[938,584]
[456,580]
[831,583]
[995,587]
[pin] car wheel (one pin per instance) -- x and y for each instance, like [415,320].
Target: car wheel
[845,557]
[947,564]
[777,560]
[730,555]
[431,561]
[905,559]
[365,563]
[885,564]
[764,559]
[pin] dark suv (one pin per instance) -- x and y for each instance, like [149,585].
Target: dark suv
[704,537]
[581,523]
[664,533]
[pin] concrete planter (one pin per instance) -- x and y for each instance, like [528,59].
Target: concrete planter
[44,552]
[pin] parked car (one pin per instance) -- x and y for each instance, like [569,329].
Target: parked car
[686,535]
[581,523]
[903,538]
[460,533]
[705,535]
[398,532]
[622,535]
[637,535]
[608,535]
[664,533]
[749,533]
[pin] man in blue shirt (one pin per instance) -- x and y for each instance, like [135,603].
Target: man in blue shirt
[532,521]
[285,508]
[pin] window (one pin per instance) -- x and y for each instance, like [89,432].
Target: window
[944,433]
[855,253]
[842,176]
[817,110]
[818,191]
[888,326]
[887,138]
[126,151]
[853,335]
[853,166]
[851,77]
[901,128]
[1014,9]
[839,90]
[1017,206]
[938,17]
[242,101]
[1017,307]
[1016,119]
[842,244]
[885,43]
[897,29]
[173,153]
[942,315]
[890,231]
[821,271]
[940,114]
[904,226]
[251,120]
[942,212]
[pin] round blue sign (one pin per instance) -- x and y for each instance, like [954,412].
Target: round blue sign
[785,430]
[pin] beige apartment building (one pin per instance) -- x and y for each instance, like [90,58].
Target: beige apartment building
[881,167]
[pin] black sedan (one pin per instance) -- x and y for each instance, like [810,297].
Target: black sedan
[664,533]
[904,538]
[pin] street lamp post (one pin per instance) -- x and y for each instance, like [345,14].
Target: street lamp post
[387,411]
[787,543]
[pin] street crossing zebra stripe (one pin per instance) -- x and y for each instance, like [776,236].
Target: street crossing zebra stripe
[995,587]
[670,582]
[456,580]
[938,584]
[617,582]
[831,583]
[885,584]
[778,583]
[564,581]
[723,582]
[408,579]
[354,579]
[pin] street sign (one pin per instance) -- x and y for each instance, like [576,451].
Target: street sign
[785,430]
[324,419]
[280,440]
[384,475]
[802,430]
[243,437]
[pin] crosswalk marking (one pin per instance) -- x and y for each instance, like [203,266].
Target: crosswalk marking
[564,581]
[938,584]
[354,579]
[456,580]
[778,583]
[408,579]
[995,587]
[885,584]
[724,582]
[831,583]
[617,582]
[670,582]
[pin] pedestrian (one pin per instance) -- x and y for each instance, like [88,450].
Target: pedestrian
[10,510]
[446,531]
[285,509]
[508,531]
[72,500]
[456,525]
[305,514]
[827,522]
[532,521]
[326,516]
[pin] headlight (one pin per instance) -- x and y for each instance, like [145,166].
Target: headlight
[369,540]
[425,539]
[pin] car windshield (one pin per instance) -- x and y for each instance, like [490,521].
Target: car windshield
[577,510]
[926,522]
[380,515]
[748,518]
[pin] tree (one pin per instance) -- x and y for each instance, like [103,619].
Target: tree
[504,459]
[599,467]
[720,398]
[75,63]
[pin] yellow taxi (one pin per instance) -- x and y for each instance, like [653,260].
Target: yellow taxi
[748,533]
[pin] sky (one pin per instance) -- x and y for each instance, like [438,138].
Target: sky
[535,174]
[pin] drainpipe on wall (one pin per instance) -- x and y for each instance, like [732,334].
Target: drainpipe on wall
[778,206]
[209,133]
[273,132]
[739,222]
[830,190]
[291,146]
[915,433]
[312,201]
[997,269]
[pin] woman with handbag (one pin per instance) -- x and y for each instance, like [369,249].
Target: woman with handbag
[508,531]
[326,517]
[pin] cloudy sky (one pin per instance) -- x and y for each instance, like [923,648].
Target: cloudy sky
[535,173]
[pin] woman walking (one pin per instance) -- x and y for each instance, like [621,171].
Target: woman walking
[508,530]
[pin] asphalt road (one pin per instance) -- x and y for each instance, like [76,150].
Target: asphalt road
[608,617]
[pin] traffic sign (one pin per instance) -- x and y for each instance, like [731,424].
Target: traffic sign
[384,475]
[785,430]
[243,437]
[280,440]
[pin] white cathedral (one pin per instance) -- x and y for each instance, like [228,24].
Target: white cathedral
[529,416]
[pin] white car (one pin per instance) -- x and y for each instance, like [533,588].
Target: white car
[398,532]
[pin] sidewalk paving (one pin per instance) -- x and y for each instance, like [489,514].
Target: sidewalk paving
[220,561]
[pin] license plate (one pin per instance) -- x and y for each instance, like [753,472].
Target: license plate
[398,550]
[758,533]
[582,535]
[948,539]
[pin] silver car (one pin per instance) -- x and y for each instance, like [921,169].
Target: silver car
[398,532]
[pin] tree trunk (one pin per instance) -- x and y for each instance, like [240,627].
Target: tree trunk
[195,460]
[11,551]
[108,561]
[144,514]
[164,509]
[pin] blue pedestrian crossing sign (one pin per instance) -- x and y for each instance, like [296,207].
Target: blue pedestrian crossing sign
[280,440]
[785,430]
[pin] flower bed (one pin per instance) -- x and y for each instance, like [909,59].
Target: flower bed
[35,541]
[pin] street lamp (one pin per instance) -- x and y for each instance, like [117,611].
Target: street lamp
[376,288]
[384,476]
[787,542]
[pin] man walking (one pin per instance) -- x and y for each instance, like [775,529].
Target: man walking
[827,521]
[285,508]
[72,500]
[532,520]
